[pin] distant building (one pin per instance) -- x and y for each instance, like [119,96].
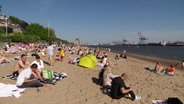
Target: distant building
[5,23]
[77,42]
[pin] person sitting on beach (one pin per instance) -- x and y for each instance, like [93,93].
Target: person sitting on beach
[80,52]
[100,75]
[25,78]
[20,65]
[40,65]
[170,70]
[117,57]
[158,67]
[4,59]
[119,89]
[99,55]
[122,55]
[105,60]
[108,76]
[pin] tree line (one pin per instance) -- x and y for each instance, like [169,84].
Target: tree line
[33,32]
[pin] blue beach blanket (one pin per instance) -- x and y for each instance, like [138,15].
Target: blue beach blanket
[4,63]
[154,71]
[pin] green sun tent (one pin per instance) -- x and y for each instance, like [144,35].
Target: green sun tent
[88,61]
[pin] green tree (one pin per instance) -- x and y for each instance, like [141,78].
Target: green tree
[14,20]
[36,29]
[31,38]
[51,34]
[16,37]
[2,31]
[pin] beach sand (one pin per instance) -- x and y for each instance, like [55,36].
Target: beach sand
[81,86]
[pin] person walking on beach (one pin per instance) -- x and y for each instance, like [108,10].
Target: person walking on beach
[50,52]
[119,89]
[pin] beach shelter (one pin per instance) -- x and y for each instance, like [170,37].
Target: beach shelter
[88,61]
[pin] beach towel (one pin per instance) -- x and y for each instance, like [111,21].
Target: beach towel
[48,74]
[4,63]
[170,100]
[154,71]
[56,77]
[7,90]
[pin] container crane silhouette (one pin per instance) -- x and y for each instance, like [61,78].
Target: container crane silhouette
[142,39]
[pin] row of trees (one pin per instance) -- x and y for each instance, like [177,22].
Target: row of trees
[33,32]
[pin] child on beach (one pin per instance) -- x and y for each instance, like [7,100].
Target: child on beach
[61,53]
[171,70]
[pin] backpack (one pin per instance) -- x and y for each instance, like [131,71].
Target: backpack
[174,100]
[48,74]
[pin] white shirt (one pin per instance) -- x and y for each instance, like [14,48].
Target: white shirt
[50,49]
[26,73]
[104,61]
[39,64]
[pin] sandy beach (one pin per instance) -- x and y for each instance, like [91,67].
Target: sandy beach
[81,86]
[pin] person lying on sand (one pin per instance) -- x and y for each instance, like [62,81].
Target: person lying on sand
[4,59]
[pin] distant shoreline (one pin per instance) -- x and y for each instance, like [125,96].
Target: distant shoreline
[165,62]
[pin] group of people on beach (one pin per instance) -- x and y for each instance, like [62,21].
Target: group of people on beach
[29,75]
[115,84]
[160,70]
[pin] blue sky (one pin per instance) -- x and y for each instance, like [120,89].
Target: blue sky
[100,21]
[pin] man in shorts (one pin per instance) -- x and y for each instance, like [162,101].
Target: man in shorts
[21,65]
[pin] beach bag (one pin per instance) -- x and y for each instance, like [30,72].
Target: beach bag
[47,74]
[174,100]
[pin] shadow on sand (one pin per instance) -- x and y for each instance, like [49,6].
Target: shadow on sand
[102,89]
